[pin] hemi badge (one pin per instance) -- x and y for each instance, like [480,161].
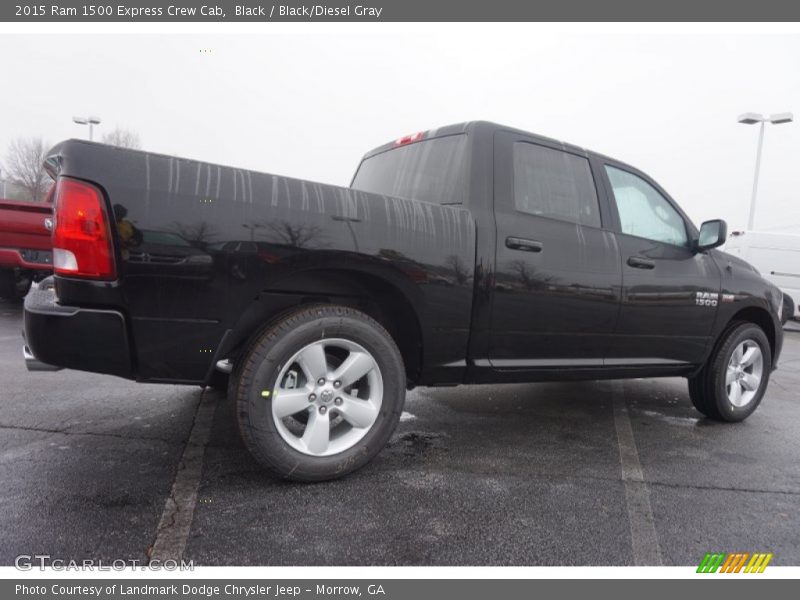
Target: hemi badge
[728,297]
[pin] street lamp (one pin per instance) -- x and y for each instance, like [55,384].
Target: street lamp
[252,229]
[751,119]
[90,121]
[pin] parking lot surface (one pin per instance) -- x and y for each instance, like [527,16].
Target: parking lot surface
[590,473]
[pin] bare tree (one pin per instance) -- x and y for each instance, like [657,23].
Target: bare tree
[460,270]
[298,236]
[124,138]
[25,166]
[526,277]
[200,234]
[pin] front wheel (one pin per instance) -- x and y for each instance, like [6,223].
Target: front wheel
[319,392]
[732,384]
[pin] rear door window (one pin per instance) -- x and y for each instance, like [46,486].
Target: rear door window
[555,184]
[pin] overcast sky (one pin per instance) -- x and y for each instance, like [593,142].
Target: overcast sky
[309,105]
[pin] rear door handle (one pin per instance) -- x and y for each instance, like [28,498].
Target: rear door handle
[515,243]
[637,262]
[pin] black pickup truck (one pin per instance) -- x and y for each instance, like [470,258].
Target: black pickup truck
[473,253]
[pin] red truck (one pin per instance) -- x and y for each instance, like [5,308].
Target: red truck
[25,246]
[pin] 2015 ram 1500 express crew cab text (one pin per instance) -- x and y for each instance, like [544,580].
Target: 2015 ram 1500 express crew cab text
[473,253]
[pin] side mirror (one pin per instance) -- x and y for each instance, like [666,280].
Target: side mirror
[712,234]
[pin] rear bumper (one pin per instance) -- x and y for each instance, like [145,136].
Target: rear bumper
[24,258]
[74,338]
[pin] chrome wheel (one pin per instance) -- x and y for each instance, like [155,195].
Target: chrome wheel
[327,397]
[744,373]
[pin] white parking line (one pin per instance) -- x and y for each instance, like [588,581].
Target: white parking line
[176,520]
[644,539]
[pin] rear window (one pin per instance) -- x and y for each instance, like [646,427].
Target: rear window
[432,170]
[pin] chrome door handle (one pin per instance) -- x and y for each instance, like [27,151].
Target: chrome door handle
[637,262]
[516,243]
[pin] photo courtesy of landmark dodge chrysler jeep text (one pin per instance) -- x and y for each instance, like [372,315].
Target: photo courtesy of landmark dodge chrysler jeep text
[473,253]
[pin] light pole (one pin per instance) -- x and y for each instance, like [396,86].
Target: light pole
[252,229]
[90,121]
[752,119]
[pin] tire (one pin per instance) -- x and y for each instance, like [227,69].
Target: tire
[279,371]
[729,389]
[14,284]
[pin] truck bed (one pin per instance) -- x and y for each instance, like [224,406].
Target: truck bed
[218,246]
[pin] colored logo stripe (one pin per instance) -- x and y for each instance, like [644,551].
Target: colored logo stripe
[735,562]
[758,563]
[711,562]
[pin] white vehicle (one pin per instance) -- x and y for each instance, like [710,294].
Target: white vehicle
[775,255]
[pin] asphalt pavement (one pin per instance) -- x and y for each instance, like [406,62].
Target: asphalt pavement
[589,473]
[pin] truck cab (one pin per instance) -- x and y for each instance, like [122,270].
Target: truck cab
[585,266]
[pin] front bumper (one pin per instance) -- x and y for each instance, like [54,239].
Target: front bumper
[74,338]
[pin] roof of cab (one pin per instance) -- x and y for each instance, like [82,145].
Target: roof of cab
[468,127]
[489,126]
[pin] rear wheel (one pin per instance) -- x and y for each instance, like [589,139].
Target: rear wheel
[732,384]
[15,284]
[319,392]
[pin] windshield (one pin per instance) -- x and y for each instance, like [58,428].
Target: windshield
[432,170]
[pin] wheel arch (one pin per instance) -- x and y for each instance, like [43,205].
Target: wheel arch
[379,292]
[759,316]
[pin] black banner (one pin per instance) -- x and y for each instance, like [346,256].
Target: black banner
[143,11]
[387,589]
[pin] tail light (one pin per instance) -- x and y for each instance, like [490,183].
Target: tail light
[82,245]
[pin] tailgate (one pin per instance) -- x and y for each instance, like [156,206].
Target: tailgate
[22,225]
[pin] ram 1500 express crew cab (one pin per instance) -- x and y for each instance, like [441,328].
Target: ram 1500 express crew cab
[473,253]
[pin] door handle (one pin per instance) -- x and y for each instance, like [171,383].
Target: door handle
[637,262]
[515,243]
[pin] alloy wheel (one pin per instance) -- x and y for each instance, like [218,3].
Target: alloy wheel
[744,373]
[327,397]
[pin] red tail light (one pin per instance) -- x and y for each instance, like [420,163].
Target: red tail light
[82,244]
